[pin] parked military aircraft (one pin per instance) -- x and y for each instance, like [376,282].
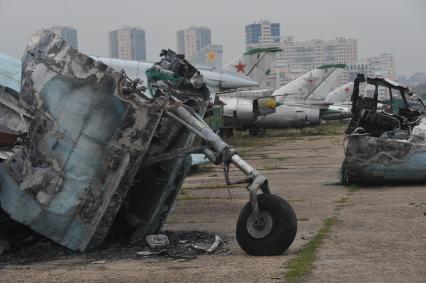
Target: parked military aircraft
[298,103]
[219,80]
[340,103]
[254,63]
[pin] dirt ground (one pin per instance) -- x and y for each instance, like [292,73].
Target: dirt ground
[379,234]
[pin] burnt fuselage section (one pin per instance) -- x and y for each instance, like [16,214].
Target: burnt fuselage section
[90,129]
[385,144]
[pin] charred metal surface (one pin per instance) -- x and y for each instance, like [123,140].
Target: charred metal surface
[157,186]
[384,146]
[71,176]
[89,129]
[13,118]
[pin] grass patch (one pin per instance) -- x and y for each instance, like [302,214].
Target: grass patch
[297,200]
[342,200]
[302,265]
[340,207]
[331,128]
[274,136]
[272,167]
[191,197]
[202,168]
[353,188]
[247,141]
[282,158]
[211,187]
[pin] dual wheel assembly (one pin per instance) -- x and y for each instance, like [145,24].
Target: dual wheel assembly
[274,230]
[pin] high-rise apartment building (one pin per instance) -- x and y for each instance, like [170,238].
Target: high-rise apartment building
[67,33]
[307,55]
[298,57]
[382,66]
[127,43]
[192,39]
[262,34]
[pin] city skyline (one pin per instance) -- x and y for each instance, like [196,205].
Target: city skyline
[375,31]
[70,34]
[127,43]
[190,40]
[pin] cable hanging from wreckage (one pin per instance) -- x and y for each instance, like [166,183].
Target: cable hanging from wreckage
[267,224]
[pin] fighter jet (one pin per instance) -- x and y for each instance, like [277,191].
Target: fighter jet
[247,70]
[340,103]
[254,63]
[298,104]
[216,80]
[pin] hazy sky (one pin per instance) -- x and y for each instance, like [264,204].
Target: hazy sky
[397,26]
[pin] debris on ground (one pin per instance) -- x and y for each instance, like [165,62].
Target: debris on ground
[180,247]
[157,241]
[218,241]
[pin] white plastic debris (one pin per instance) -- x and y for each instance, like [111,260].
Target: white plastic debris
[218,241]
[157,241]
[149,253]
[145,253]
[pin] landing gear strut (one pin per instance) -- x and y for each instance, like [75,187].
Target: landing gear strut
[267,224]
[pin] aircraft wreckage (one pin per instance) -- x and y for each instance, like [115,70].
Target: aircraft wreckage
[386,144]
[88,152]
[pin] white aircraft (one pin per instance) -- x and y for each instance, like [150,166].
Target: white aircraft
[220,80]
[340,103]
[299,103]
[254,63]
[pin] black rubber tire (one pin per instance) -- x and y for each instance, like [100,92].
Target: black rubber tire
[283,231]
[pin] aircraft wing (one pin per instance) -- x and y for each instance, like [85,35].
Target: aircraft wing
[319,104]
[10,72]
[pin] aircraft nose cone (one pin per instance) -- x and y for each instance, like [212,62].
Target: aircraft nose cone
[236,81]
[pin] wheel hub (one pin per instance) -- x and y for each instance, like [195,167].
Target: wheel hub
[261,228]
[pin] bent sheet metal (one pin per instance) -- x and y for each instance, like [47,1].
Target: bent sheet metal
[84,145]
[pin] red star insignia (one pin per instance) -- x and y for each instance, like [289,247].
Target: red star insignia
[347,90]
[311,80]
[240,67]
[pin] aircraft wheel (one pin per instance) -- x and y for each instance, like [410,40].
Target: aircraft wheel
[276,230]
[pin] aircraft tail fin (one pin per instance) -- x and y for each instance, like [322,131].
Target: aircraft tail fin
[208,57]
[314,85]
[340,95]
[254,63]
